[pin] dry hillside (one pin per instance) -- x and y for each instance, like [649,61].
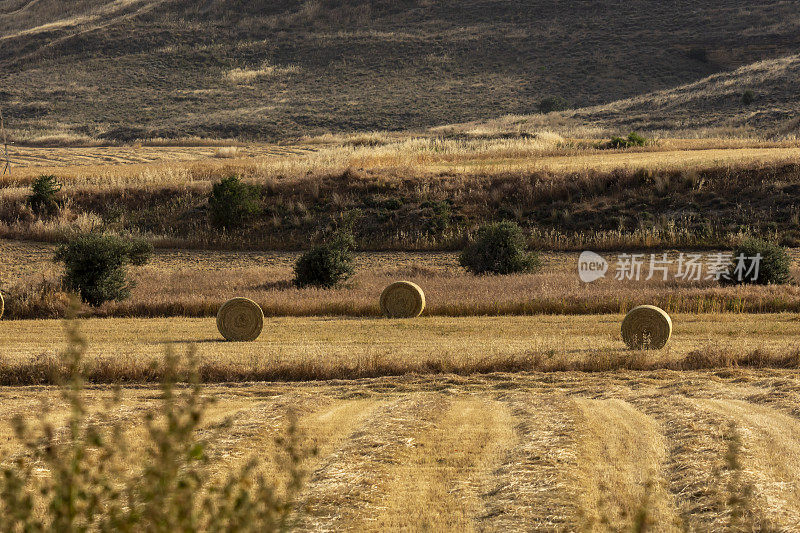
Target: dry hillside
[713,105]
[75,71]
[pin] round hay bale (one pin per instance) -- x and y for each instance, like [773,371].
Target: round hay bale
[2,305]
[240,319]
[646,327]
[402,299]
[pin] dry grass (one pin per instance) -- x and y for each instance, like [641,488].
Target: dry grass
[196,283]
[248,75]
[541,151]
[590,452]
[226,152]
[114,166]
[330,348]
[424,192]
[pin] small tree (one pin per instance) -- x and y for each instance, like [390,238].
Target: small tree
[553,103]
[633,139]
[773,266]
[232,203]
[748,97]
[328,264]
[96,265]
[43,195]
[499,248]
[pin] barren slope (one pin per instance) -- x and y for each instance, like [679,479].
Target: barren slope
[128,69]
[715,101]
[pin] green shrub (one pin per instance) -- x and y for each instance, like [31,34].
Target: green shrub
[440,216]
[748,97]
[633,139]
[43,195]
[773,267]
[96,265]
[698,54]
[87,476]
[499,248]
[232,203]
[553,103]
[328,264]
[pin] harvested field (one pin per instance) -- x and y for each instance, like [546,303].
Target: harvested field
[345,348]
[565,451]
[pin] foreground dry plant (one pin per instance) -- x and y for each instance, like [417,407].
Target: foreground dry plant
[81,473]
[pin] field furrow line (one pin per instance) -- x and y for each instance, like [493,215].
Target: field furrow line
[618,477]
[249,428]
[530,489]
[764,451]
[436,484]
[342,492]
[696,445]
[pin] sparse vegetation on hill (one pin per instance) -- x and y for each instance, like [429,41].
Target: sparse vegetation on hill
[82,72]
[633,139]
[761,262]
[327,264]
[557,210]
[43,195]
[499,248]
[232,203]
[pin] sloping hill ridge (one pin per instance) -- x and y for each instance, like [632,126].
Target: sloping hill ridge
[128,69]
[715,102]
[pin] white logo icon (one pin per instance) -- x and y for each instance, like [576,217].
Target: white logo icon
[591,266]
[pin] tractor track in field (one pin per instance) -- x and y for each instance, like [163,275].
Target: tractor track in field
[514,452]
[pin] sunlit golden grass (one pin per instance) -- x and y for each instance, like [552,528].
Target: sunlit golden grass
[197,283]
[112,167]
[340,348]
[652,160]
[583,448]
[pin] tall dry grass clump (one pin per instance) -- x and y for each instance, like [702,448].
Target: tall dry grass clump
[226,152]
[85,476]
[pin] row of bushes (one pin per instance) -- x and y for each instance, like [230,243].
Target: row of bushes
[96,264]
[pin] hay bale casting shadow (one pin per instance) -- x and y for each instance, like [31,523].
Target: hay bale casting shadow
[240,319]
[646,327]
[402,299]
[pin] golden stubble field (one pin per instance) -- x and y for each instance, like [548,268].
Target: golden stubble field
[304,348]
[509,451]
